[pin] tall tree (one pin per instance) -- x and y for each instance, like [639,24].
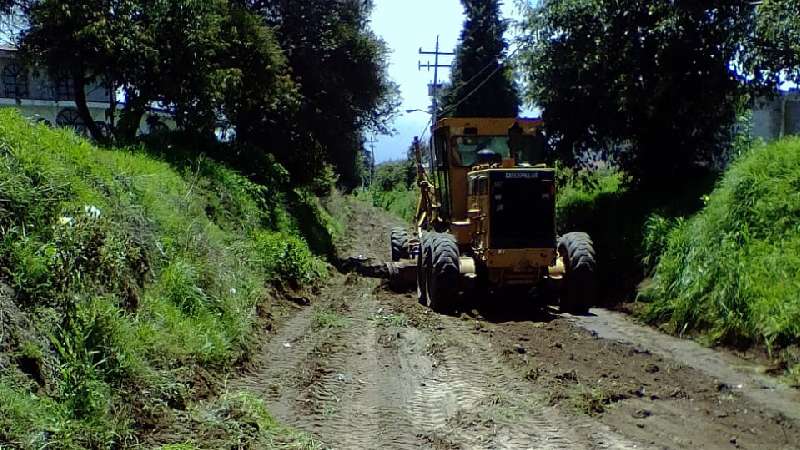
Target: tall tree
[482,84]
[341,67]
[207,61]
[650,80]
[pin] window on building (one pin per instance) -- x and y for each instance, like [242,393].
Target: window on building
[15,81]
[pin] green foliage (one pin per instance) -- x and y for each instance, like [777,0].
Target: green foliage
[240,420]
[481,84]
[601,203]
[328,318]
[777,39]
[302,82]
[341,66]
[393,189]
[286,257]
[732,270]
[129,268]
[647,82]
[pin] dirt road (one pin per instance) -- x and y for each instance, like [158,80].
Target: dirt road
[362,367]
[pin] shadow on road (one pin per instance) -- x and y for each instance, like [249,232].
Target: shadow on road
[504,307]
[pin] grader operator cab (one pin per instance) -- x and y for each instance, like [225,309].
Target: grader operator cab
[486,219]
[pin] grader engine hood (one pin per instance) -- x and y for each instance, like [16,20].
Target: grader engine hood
[522,204]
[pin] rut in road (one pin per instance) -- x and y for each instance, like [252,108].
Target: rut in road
[367,368]
[374,377]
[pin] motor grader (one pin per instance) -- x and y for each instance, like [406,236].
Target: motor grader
[486,219]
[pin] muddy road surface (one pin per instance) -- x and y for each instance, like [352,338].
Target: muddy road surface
[362,367]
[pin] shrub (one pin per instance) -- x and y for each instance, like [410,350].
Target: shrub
[732,271]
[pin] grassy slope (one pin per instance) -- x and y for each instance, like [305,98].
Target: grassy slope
[400,201]
[120,277]
[733,270]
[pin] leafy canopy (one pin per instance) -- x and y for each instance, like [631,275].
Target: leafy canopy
[649,82]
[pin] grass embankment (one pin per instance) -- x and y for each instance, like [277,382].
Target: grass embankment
[124,282]
[732,271]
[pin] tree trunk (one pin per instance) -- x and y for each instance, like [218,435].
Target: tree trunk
[130,116]
[79,83]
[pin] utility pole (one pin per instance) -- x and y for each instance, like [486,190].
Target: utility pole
[433,91]
[372,141]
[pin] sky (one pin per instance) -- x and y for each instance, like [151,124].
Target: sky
[407,25]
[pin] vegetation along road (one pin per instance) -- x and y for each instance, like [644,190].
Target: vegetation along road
[363,367]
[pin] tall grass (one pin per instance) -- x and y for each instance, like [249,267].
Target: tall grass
[733,270]
[120,274]
[401,202]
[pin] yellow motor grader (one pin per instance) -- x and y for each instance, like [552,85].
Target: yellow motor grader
[486,218]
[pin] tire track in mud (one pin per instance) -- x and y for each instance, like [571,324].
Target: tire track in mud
[741,376]
[473,401]
[380,379]
[358,402]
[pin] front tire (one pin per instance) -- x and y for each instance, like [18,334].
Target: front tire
[444,273]
[580,286]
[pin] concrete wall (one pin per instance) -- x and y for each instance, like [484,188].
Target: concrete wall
[773,119]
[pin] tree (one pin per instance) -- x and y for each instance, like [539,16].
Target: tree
[78,42]
[777,42]
[648,81]
[341,68]
[481,83]
[207,61]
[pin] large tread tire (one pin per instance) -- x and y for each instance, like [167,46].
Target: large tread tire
[579,292]
[399,244]
[424,263]
[444,273]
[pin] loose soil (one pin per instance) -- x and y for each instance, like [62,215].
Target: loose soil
[364,367]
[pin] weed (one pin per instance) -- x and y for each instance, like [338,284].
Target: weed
[327,319]
[241,420]
[589,401]
[399,320]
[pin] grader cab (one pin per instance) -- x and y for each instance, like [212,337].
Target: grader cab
[486,219]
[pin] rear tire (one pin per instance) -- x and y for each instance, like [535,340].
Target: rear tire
[580,286]
[444,273]
[399,244]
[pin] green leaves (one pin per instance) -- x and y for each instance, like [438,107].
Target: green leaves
[647,83]
[777,40]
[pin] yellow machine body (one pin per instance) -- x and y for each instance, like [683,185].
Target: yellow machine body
[487,204]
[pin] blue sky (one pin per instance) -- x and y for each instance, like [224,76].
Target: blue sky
[407,25]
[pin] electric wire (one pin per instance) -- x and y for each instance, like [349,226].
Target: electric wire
[499,67]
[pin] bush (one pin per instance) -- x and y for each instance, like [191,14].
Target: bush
[732,271]
[393,189]
[129,268]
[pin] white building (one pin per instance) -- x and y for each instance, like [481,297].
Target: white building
[42,99]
